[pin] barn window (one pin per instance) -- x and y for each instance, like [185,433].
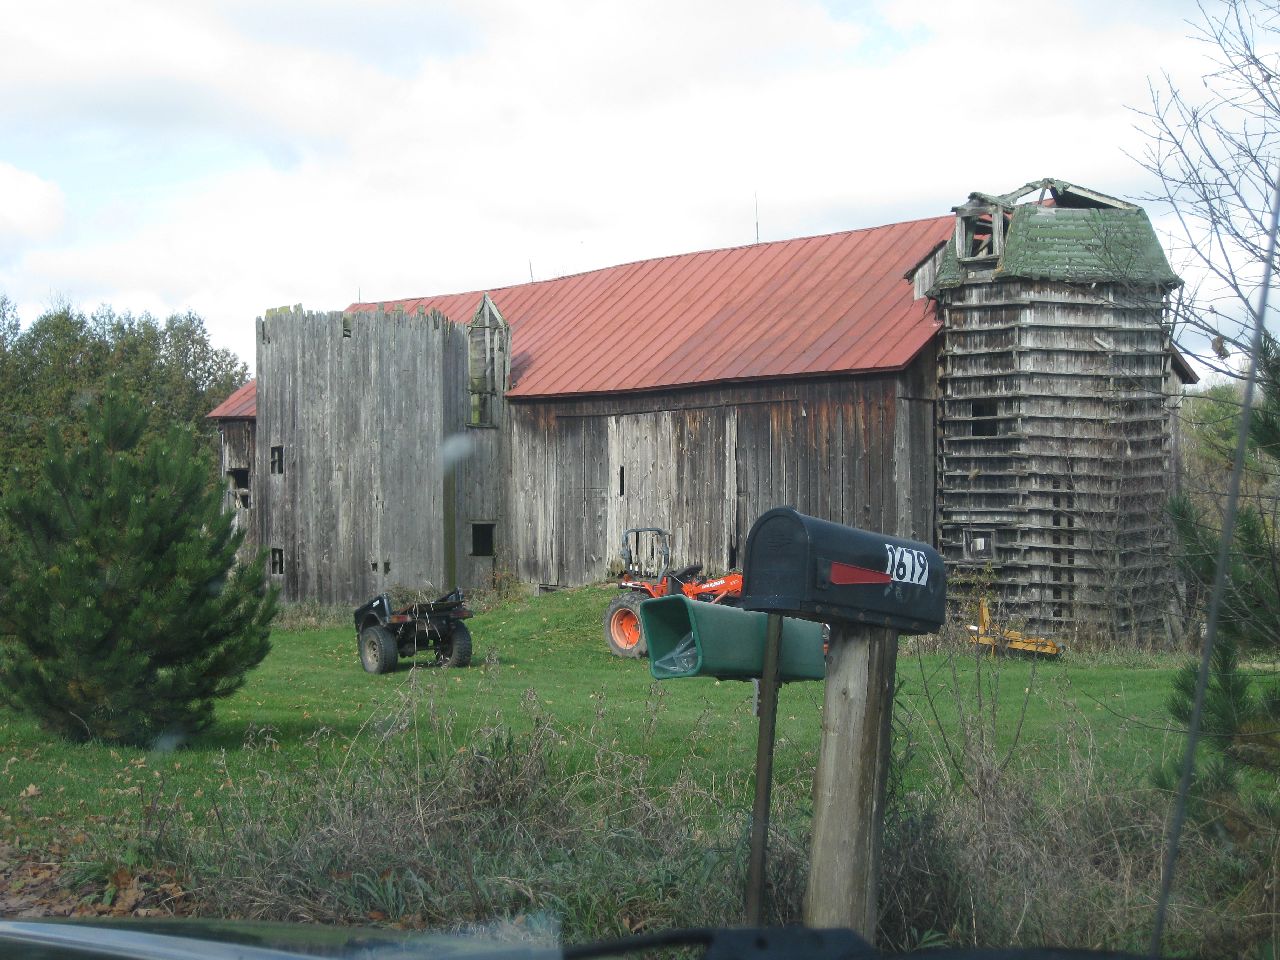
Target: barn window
[277,561]
[984,415]
[482,539]
[980,230]
[486,362]
[386,566]
[979,544]
[277,460]
[239,480]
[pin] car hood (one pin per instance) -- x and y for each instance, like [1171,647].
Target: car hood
[184,939]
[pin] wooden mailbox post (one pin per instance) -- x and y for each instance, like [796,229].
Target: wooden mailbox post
[868,587]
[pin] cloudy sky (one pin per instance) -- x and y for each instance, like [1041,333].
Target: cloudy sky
[226,156]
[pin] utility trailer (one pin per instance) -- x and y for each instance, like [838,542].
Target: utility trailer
[999,640]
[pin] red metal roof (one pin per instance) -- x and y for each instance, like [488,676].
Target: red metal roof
[241,405]
[831,304]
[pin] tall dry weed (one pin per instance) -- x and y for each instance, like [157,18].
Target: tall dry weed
[412,822]
[1014,846]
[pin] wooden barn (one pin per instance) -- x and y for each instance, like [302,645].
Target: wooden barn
[998,382]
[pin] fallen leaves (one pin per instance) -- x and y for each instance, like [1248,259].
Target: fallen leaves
[31,886]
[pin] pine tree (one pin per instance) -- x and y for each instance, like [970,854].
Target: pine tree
[122,615]
[1241,719]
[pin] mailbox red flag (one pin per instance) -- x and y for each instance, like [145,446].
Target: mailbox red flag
[846,574]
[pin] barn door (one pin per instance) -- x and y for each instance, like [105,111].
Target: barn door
[642,474]
[677,470]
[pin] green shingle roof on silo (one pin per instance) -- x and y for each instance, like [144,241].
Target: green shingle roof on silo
[1074,245]
[1083,245]
[949,274]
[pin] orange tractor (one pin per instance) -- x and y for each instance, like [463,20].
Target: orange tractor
[622,629]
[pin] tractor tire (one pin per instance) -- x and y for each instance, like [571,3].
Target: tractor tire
[623,631]
[455,650]
[378,651]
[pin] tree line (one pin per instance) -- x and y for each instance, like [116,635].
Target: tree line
[56,370]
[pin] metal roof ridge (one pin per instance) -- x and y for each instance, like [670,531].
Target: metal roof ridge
[642,260]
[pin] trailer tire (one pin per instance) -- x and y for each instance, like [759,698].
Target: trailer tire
[623,631]
[378,652]
[455,651]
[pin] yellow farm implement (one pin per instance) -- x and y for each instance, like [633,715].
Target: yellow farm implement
[1000,640]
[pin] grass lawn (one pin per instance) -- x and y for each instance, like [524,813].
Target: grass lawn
[546,654]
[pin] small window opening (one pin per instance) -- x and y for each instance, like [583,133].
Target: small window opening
[980,230]
[239,480]
[386,566]
[979,544]
[985,423]
[277,460]
[482,539]
[1057,519]
[622,481]
[1057,593]
[346,326]
[373,566]
[277,561]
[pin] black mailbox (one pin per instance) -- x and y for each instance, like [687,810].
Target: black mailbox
[818,570]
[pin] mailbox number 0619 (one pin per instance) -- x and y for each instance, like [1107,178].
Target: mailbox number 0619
[906,565]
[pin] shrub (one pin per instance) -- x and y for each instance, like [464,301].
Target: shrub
[121,616]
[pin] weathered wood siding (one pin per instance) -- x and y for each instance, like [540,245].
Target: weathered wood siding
[237,466]
[478,455]
[367,414]
[1055,444]
[705,462]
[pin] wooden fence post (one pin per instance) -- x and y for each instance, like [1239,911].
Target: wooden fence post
[849,784]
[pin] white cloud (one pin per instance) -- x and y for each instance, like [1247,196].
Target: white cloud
[565,133]
[30,209]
